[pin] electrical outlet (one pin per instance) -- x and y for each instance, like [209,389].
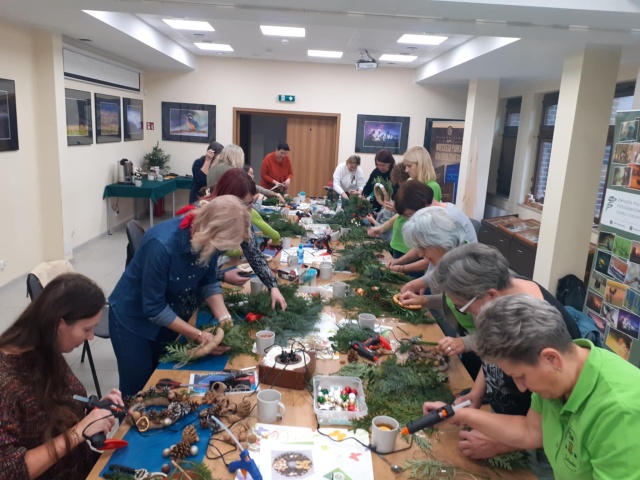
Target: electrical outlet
[3,265]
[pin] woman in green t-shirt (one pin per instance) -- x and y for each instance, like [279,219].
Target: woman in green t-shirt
[418,165]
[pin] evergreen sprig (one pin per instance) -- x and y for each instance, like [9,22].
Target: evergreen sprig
[509,461]
[348,333]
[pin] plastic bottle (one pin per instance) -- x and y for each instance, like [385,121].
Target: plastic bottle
[303,197]
[339,207]
[300,254]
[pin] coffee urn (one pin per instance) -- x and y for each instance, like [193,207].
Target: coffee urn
[125,171]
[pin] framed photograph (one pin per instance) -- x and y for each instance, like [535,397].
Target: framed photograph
[79,117]
[374,132]
[188,122]
[628,131]
[8,116]
[133,119]
[107,118]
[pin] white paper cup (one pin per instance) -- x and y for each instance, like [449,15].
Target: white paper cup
[137,183]
[326,270]
[367,320]
[270,406]
[384,431]
[264,340]
[339,289]
[151,176]
[286,243]
[256,285]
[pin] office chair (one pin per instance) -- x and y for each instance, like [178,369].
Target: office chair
[135,232]
[47,271]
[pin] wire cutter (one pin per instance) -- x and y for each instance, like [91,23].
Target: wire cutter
[136,473]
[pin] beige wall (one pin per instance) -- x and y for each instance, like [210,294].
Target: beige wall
[229,83]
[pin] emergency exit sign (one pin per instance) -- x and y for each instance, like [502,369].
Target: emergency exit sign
[286,98]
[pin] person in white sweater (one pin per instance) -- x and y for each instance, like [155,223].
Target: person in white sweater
[348,178]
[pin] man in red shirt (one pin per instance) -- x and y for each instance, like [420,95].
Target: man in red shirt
[276,172]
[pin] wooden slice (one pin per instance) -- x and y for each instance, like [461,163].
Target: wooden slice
[397,301]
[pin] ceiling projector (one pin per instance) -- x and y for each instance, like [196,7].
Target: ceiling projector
[363,64]
[366,61]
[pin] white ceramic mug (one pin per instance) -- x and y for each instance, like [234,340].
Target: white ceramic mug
[256,285]
[367,320]
[151,176]
[326,270]
[339,289]
[270,406]
[384,431]
[286,243]
[264,340]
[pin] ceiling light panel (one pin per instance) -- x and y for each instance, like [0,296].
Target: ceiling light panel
[421,39]
[189,25]
[215,47]
[397,58]
[283,31]
[324,53]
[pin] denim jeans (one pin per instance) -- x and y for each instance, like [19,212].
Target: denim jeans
[137,356]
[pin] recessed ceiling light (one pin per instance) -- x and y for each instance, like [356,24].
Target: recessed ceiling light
[324,53]
[397,58]
[283,31]
[421,39]
[188,25]
[216,47]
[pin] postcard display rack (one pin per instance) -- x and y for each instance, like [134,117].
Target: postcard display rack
[516,239]
[613,295]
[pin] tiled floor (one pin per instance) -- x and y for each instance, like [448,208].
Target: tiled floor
[101,259]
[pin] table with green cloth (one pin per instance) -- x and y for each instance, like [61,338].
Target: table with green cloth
[151,189]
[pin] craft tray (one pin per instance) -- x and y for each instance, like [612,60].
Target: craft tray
[344,417]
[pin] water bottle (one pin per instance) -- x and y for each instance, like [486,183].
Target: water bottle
[339,207]
[303,197]
[300,254]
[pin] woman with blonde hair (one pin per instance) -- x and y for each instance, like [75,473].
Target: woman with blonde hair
[232,156]
[417,163]
[172,272]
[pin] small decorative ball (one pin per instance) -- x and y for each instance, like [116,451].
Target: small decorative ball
[251,438]
[351,408]
[165,469]
[171,396]
[166,422]
[325,391]
[166,452]
[194,450]
[352,396]
[354,391]
[347,390]
[352,401]
[321,400]
[339,408]
[344,397]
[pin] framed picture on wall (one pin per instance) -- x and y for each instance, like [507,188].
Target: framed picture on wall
[188,122]
[374,132]
[79,117]
[443,140]
[133,119]
[107,118]
[8,116]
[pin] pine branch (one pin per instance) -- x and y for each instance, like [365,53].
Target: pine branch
[509,461]
[429,470]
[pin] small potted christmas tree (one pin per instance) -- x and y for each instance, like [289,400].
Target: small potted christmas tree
[156,158]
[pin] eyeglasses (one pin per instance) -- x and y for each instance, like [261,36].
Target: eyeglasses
[463,309]
[248,204]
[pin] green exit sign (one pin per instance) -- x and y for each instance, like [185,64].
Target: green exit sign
[286,98]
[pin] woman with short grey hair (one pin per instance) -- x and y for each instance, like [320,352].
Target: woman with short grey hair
[584,409]
[471,276]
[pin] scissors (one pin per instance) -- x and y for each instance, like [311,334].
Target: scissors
[137,473]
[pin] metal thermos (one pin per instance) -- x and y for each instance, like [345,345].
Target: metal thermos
[125,171]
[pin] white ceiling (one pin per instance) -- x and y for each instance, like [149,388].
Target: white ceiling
[548,30]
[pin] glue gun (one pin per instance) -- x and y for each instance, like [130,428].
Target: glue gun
[247,465]
[99,440]
[366,349]
[434,417]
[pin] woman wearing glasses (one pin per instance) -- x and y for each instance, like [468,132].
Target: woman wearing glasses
[472,276]
[348,178]
[584,407]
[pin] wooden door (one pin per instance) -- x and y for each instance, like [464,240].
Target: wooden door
[313,144]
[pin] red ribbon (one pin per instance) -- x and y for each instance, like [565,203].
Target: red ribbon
[253,317]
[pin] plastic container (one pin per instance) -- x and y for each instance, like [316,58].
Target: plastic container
[344,417]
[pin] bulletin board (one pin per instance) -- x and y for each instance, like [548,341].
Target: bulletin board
[613,296]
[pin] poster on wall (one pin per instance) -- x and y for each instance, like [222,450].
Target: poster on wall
[188,122]
[443,140]
[613,298]
[107,118]
[375,132]
[79,117]
[8,116]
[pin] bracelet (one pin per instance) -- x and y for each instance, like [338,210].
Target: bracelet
[224,317]
[74,435]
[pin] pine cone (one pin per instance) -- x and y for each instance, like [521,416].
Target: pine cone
[151,392]
[138,407]
[189,435]
[193,405]
[180,451]
[174,411]
[244,408]
[352,356]
[209,397]
[204,423]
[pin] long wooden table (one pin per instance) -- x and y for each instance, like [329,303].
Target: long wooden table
[299,404]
